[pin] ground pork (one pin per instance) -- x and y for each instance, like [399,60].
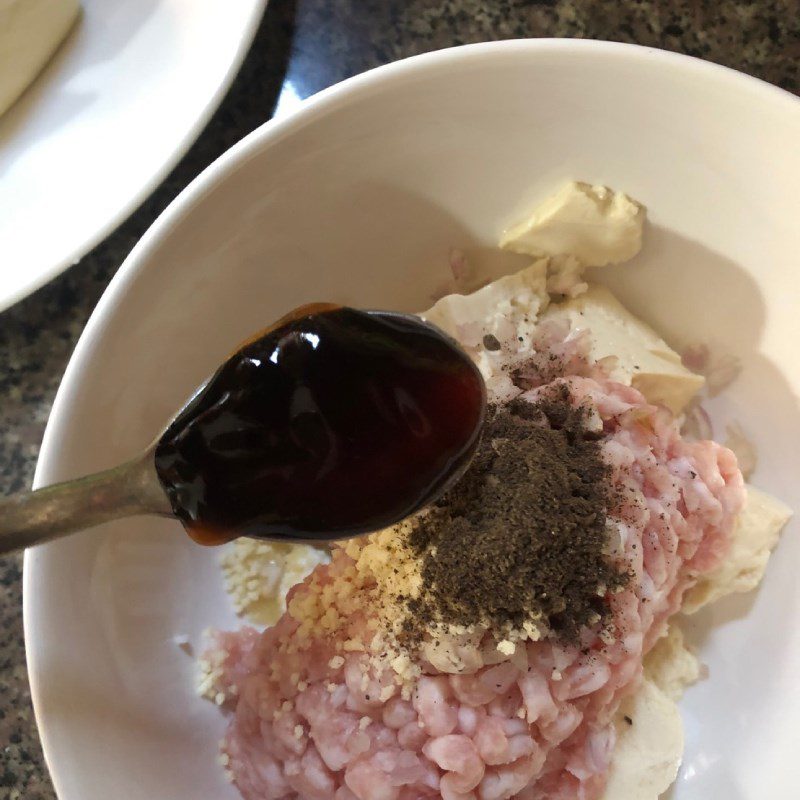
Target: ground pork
[325,721]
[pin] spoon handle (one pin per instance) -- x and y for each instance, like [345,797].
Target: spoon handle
[31,518]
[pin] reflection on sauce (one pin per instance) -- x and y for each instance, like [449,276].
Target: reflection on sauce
[332,423]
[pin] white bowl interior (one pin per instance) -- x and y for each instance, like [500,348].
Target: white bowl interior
[358,199]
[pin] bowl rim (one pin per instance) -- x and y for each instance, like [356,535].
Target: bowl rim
[271,130]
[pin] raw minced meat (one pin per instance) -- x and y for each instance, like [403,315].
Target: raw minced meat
[318,715]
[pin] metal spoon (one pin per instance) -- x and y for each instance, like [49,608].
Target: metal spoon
[364,357]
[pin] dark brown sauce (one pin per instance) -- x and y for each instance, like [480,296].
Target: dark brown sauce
[332,423]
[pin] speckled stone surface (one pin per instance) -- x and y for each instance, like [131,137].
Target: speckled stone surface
[302,47]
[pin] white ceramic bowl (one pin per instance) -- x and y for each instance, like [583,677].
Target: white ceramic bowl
[358,198]
[122,100]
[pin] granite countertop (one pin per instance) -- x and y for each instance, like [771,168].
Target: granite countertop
[302,47]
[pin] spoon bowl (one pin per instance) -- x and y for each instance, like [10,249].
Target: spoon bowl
[330,423]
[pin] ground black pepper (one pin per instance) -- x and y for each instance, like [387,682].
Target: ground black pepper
[524,531]
[491,342]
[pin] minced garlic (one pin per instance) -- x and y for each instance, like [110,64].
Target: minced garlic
[258,575]
[506,647]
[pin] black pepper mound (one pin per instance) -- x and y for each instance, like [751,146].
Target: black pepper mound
[523,533]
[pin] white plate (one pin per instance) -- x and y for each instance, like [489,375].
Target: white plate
[131,88]
[358,198]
